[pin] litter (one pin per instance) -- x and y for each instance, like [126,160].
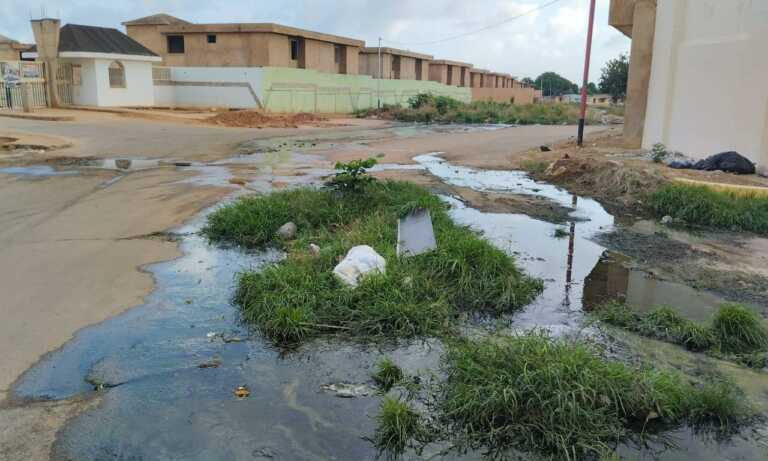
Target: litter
[415,234]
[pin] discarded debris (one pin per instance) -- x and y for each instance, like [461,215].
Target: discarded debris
[314,249]
[182,163]
[415,234]
[730,162]
[123,163]
[544,148]
[213,363]
[242,392]
[667,219]
[348,391]
[360,261]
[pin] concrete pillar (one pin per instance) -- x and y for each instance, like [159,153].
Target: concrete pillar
[46,32]
[641,58]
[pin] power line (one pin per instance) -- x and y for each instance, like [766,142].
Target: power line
[482,29]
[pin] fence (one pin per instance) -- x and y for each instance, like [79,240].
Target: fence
[22,83]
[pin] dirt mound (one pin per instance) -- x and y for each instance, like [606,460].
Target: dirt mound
[609,180]
[256,119]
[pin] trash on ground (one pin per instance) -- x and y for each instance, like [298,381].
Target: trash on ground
[730,162]
[348,391]
[544,148]
[667,220]
[182,163]
[287,231]
[314,249]
[213,363]
[242,392]
[360,261]
[415,234]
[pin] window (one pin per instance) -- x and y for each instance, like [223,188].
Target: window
[116,75]
[338,54]
[175,44]
[77,75]
[211,39]
[294,49]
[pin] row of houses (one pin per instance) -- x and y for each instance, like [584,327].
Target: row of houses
[184,44]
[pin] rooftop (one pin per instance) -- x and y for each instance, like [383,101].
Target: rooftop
[160,19]
[397,52]
[268,27]
[77,38]
[452,63]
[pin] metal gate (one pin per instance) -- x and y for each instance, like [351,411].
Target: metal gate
[64,83]
[22,83]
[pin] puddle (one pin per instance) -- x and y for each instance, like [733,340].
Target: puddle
[168,369]
[36,171]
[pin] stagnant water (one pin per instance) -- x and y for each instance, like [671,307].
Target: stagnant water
[168,369]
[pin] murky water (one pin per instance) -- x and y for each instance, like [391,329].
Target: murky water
[35,171]
[168,369]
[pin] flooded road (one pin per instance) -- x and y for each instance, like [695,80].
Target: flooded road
[167,370]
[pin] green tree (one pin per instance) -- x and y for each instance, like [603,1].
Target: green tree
[592,88]
[614,78]
[554,84]
[528,81]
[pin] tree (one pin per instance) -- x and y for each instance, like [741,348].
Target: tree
[553,84]
[614,78]
[528,81]
[592,88]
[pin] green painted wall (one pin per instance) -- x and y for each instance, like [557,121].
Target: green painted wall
[300,90]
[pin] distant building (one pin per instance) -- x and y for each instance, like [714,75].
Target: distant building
[181,43]
[453,73]
[697,75]
[11,50]
[395,64]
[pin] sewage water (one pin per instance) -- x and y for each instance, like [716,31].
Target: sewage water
[167,370]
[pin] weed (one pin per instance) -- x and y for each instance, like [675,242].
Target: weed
[387,374]
[735,332]
[700,205]
[534,166]
[398,424]
[560,233]
[536,393]
[352,176]
[416,296]
[659,152]
[739,330]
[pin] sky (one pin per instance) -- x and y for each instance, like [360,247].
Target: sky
[550,39]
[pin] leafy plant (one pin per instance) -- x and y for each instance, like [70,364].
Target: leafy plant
[353,176]
[387,374]
[398,424]
[659,152]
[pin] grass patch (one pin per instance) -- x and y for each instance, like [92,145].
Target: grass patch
[535,166]
[398,425]
[559,398]
[428,108]
[700,205]
[735,332]
[387,374]
[299,297]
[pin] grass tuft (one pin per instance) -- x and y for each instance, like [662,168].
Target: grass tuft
[700,205]
[299,297]
[398,424]
[552,396]
[735,332]
[387,374]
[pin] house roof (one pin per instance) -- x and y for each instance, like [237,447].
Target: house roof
[396,52]
[160,19]
[77,38]
[452,63]
[257,27]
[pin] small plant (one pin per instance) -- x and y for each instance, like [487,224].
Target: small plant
[353,176]
[387,374]
[560,233]
[659,152]
[534,166]
[739,330]
[398,424]
[289,325]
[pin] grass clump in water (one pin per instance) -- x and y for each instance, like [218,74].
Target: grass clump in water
[300,297]
[398,425]
[387,374]
[735,332]
[535,393]
[699,205]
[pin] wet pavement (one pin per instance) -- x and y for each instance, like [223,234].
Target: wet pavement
[167,370]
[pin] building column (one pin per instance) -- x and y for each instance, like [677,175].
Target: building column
[641,58]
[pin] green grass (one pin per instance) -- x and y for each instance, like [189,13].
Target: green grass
[735,332]
[560,398]
[398,425]
[699,205]
[299,297]
[387,374]
[535,166]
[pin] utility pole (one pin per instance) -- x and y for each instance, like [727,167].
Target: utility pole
[378,81]
[583,114]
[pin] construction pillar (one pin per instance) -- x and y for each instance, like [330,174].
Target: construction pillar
[641,57]
[46,32]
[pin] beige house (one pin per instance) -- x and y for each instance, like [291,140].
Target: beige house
[477,77]
[10,50]
[452,73]
[697,75]
[183,44]
[395,64]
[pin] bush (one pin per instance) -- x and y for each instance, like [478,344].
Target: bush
[739,330]
[387,374]
[416,296]
[398,424]
[352,176]
[547,395]
[699,205]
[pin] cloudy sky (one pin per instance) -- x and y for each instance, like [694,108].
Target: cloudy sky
[551,38]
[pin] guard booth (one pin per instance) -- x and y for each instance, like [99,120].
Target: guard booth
[22,85]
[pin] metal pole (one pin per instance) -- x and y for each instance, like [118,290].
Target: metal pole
[583,114]
[378,81]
